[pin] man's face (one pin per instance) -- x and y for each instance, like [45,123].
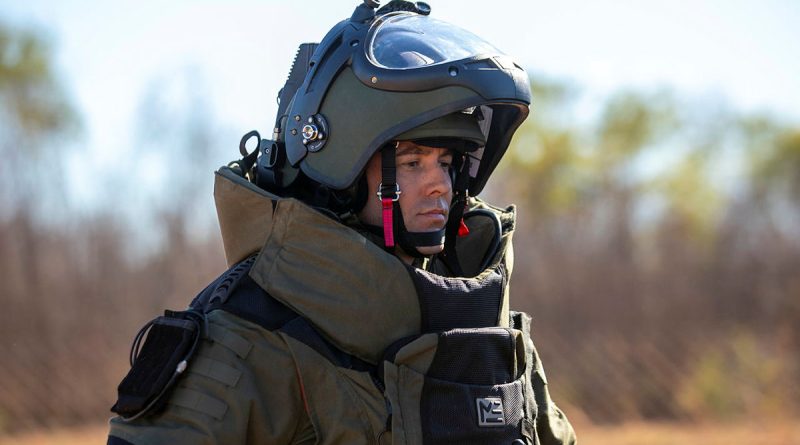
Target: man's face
[423,174]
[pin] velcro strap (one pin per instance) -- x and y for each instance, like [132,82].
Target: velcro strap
[197,401]
[230,340]
[216,370]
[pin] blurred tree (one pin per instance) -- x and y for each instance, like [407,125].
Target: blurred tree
[777,164]
[36,122]
[630,123]
[638,257]
[691,197]
[35,117]
[543,167]
[175,143]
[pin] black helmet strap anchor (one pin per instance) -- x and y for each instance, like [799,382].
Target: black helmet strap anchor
[455,223]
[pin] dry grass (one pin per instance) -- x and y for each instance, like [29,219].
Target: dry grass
[94,434]
[786,433]
[632,434]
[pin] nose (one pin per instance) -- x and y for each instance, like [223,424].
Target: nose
[437,181]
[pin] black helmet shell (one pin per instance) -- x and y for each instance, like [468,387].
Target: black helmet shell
[372,81]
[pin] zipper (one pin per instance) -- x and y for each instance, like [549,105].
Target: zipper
[385,437]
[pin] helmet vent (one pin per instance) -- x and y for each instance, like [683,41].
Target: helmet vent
[484,64]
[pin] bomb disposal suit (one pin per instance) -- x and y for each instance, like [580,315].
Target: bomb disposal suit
[334,328]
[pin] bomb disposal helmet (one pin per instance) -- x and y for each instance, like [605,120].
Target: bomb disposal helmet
[396,73]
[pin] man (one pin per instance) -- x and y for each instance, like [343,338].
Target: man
[427,191]
[368,296]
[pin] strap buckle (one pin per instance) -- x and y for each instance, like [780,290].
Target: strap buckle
[387,191]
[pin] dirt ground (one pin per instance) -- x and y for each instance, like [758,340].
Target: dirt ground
[631,434]
[681,434]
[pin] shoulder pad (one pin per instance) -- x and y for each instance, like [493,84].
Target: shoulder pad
[221,289]
[235,292]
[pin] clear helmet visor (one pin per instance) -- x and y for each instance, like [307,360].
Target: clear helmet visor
[406,40]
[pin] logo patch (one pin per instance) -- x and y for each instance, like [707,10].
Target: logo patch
[490,411]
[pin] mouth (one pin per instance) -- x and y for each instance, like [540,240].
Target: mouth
[436,211]
[435,215]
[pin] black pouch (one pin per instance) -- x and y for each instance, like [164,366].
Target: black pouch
[170,342]
[464,386]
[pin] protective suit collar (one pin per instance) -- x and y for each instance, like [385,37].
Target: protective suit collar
[357,295]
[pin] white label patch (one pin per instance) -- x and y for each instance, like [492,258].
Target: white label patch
[490,411]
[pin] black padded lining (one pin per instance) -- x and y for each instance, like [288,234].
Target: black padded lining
[475,357]
[453,303]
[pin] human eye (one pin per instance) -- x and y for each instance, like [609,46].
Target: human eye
[410,162]
[446,162]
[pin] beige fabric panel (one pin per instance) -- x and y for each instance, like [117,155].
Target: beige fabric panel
[374,402]
[419,354]
[345,407]
[390,376]
[404,378]
[552,426]
[357,295]
[505,305]
[412,383]
[404,390]
[244,213]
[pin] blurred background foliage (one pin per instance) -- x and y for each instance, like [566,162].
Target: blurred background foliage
[658,248]
[35,110]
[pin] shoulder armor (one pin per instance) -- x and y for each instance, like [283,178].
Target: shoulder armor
[221,289]
[235,292]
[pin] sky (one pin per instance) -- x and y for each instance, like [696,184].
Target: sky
[239,51]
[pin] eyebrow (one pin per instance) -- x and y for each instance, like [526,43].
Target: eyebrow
[417,150]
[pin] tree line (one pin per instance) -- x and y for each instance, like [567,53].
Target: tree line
[658,249]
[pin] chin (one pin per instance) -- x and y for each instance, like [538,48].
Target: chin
[430,250]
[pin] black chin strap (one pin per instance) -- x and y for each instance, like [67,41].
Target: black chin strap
[455,223]
[410,241]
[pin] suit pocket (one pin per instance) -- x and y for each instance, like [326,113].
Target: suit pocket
[465,386]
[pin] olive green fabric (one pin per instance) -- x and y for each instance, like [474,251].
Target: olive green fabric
[418,354]
[404,382]
[248,385]
[471,249]
[244,212]
[454,125]
[345,406]
[330,273]
[276,390]
[240,388]
[404,391]
[552,426]
[334,276]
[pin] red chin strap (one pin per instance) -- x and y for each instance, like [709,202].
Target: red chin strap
[388,217]
[389,193]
